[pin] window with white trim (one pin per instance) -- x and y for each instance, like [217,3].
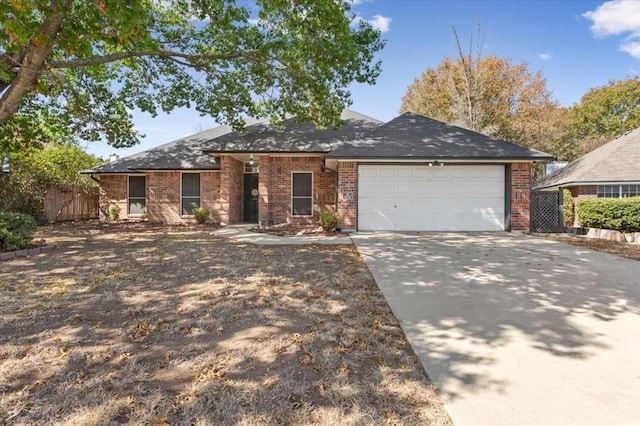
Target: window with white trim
[190,194]
[137,203]
[618,191]
[302,193]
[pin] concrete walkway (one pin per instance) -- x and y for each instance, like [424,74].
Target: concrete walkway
[516,330]
[242,233]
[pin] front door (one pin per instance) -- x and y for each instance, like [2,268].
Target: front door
[250,198]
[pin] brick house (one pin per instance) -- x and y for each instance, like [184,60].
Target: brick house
[610,171]
[411,173]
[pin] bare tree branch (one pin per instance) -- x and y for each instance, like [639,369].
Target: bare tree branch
[31,65]
[193,58]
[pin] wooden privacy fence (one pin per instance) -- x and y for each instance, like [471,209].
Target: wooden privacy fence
[64,202]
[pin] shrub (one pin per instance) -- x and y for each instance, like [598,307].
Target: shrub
[618,214]
[568,207]
[16,231]
[201,214]
[329,220]
[114,212]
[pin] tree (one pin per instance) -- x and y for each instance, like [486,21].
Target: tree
[607,111]
[89,63]
[33,169]
[491,95]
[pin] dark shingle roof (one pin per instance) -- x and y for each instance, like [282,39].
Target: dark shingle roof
[415,136]
[196,152]
[181,154]
[616,161]
[291,136]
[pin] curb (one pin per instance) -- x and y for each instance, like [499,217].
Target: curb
[24,253]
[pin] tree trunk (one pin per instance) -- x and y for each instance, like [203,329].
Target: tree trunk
[26,78]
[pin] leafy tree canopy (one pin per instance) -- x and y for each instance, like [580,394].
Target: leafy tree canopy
[88,63]
[493,96]
[608,111]
[34,168]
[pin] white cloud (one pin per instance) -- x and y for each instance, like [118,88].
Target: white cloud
[618,17]
[545,56]
[378,22]
[632,48]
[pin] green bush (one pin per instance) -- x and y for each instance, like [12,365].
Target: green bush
[201,214]
[16,231]
[567,206]
[114,212]
[618,214]
[329,220]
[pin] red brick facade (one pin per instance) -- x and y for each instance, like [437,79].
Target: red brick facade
[222,192]
[348,194]
[520,196]
[274,186]
[163,196]
[113,190]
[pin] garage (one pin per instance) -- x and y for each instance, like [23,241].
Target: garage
[431,197]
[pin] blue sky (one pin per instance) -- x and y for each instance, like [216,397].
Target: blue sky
[576,44]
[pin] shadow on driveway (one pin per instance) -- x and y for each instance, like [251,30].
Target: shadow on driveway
[515,329]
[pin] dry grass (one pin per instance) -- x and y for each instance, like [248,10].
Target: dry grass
[181,327]
[631,251]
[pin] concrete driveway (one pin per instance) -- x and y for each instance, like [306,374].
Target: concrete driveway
[513,329]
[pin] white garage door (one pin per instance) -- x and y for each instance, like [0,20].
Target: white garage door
[423,198]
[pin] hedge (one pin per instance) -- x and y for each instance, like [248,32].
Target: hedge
[618,214]
[16,231]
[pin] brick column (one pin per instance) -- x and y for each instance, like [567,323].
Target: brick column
[348,194]
[520,196]
[231,188]
[264,181]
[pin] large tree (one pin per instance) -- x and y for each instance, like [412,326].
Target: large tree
[608,111]
[491,95]
[90,62]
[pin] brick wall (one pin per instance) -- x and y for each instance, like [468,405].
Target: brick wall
[579,193]
[163,197]
[231,190]
[348,194]
[210,192]
[520,196]
[275,188]
[264,184]
[113,190]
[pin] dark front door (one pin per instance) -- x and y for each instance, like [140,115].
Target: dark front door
[251,198]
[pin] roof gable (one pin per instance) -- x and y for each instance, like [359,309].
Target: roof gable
[616,161]
[415,136]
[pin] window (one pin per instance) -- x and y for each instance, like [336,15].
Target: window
[251,168]
[618,191]
[630,190]
[608,191]
[137,195]
[302,193]
[190,193]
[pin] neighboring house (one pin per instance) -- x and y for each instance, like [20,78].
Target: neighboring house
[611,171]
[412,173]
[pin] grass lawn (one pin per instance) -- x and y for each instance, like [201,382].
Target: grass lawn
[170,326]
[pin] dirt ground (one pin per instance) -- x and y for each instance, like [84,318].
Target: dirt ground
[152,325]
[631,251]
